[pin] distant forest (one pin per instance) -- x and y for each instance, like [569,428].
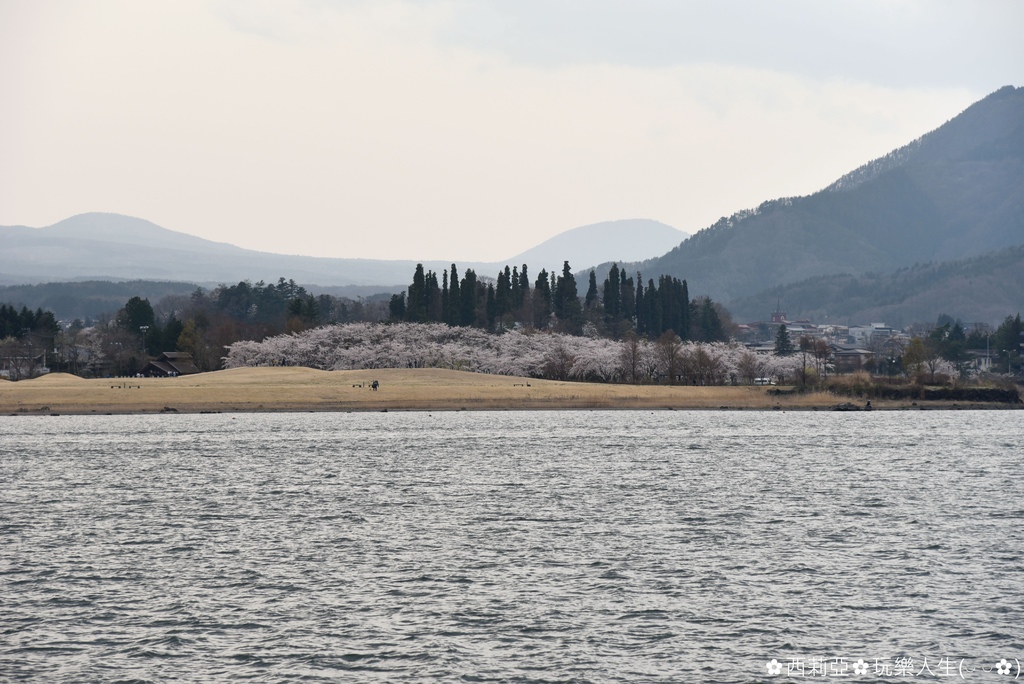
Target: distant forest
[204,323]
[619,306]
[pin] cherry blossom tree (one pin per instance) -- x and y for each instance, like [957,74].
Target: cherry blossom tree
[539,354]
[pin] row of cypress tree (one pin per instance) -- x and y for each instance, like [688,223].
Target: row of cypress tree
[553,302]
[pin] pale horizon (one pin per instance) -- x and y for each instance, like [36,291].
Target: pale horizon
[441,129]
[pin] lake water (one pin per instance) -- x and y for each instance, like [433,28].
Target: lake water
[512,547]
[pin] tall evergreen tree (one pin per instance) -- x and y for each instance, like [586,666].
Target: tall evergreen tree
[590,301]
[641,306]
[612,299]
[524,309]
[491,306]
[446,313]
[516,291]
[502,294]
[706,323]
[467,292]
[416,305]
[567,301]
[454,299]
[655,325]
[432,297]
[627,297]
[541,299]
[506,294]
[683,296]
[669,307]
[783,345]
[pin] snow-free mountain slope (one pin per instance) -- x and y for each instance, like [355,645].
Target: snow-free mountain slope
[956,192]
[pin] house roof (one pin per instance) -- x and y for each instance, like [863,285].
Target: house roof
[852,352]
[174,362]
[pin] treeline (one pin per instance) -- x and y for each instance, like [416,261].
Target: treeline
[202,324]
[207,322]
[620,306]
[949,340]
[85,300]
[19,323]
[25,338]
[253,311]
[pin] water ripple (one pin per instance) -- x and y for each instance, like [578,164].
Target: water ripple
[497,547]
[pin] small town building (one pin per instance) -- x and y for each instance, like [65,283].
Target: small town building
[170,364]
[867,334]
[850,359]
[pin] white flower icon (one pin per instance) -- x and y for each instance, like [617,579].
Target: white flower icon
[775,667]
[1003,667]
[860,667]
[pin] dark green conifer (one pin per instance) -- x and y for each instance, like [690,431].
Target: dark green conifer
[783,345]
[469,296]
[454,299]
[590,301]
[612,299]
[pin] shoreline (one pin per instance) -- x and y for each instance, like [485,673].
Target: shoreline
[293,389]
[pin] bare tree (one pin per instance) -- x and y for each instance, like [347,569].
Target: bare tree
[821,351]
[558,362]
[806,345]
[68,347]
[751,366]
[703,367]
[15,358]
[669,351]
[631,358]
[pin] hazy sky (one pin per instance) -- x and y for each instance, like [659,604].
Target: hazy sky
[459,129]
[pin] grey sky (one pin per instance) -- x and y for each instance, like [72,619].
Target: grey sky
[467,130]
[899,44]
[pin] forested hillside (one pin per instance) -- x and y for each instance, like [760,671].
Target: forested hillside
[85,300]
[955,192]
[981,289]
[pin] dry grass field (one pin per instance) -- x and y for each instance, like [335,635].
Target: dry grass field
[305,389]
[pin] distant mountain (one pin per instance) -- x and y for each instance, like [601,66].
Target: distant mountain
[586,246]
[956,192]
[979,289]
[100,246]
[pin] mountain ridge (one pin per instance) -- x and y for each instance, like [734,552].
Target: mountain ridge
[113,246]
[952,193]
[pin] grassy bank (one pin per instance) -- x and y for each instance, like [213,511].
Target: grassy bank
[304,389]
